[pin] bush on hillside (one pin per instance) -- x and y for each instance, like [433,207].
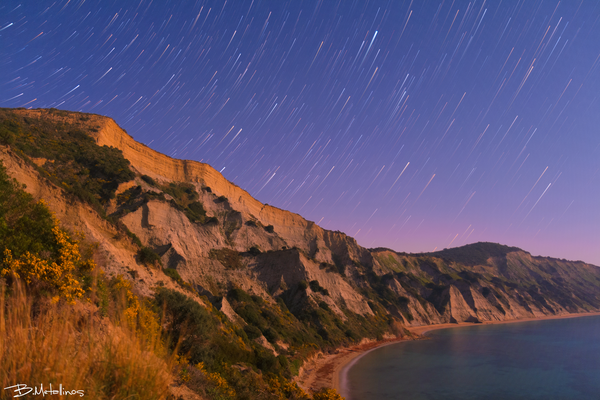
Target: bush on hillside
[75,162]
[34,247]
[148,256]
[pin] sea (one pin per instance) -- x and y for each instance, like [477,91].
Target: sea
[557,359]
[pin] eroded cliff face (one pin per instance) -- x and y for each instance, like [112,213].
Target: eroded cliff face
[509,284]
[189,245]
[292,228]
[240,242]
[116,254]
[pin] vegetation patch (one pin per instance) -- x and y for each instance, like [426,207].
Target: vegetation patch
[149,180]
[149,257]
[185,198]
[74,161]
[254,251]
[317,288]
[230,259]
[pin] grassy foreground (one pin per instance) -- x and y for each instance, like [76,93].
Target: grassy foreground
[43,344]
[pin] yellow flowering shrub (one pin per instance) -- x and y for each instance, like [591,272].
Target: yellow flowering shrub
[57,272]
[182,363]
[217,381]
[286,389]
[327,394]
[137,315]
[132,303]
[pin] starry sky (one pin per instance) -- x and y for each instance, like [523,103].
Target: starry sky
[413,125]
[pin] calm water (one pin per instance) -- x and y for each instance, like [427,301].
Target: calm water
[552,359]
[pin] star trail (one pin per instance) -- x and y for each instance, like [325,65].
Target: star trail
[413,125]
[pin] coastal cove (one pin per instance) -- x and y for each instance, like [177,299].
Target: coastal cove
[328,370]
[428,361]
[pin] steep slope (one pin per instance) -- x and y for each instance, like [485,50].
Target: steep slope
[292,228]
[214,237]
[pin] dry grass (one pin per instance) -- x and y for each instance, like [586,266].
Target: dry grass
[73,346]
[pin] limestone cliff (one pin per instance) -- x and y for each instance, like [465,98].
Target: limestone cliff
[218,237]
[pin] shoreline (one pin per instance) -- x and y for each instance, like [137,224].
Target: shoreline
[325,370]
[330,370]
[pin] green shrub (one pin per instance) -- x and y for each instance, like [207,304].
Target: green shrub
[148,256]
[239,295]
[196,332]
[302,285]
[266,361]
[257,299]
[269,228]
[251,314]
[197,211]
[133,236]
[173,274]
[149,180]
[25,225]
[283,361]
[8,131]
[254,250]
[314,286]
[351,334]
[252,332]
[271,335]
[183,193]
[317,288]
[282,305]
[324,333]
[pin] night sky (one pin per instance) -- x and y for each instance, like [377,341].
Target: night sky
[414,125]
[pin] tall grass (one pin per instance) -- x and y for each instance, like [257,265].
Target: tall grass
[43,343]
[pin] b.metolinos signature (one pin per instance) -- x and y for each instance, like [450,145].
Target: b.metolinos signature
[22,389]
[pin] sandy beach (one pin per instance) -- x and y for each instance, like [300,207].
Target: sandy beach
[325,370]
[328,370]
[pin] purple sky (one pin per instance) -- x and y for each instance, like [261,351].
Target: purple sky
[414,125]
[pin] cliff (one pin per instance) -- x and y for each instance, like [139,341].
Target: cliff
[217,237]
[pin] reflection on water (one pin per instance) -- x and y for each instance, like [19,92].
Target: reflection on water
[549,360]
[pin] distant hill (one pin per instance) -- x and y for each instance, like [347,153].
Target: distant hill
[475,253]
